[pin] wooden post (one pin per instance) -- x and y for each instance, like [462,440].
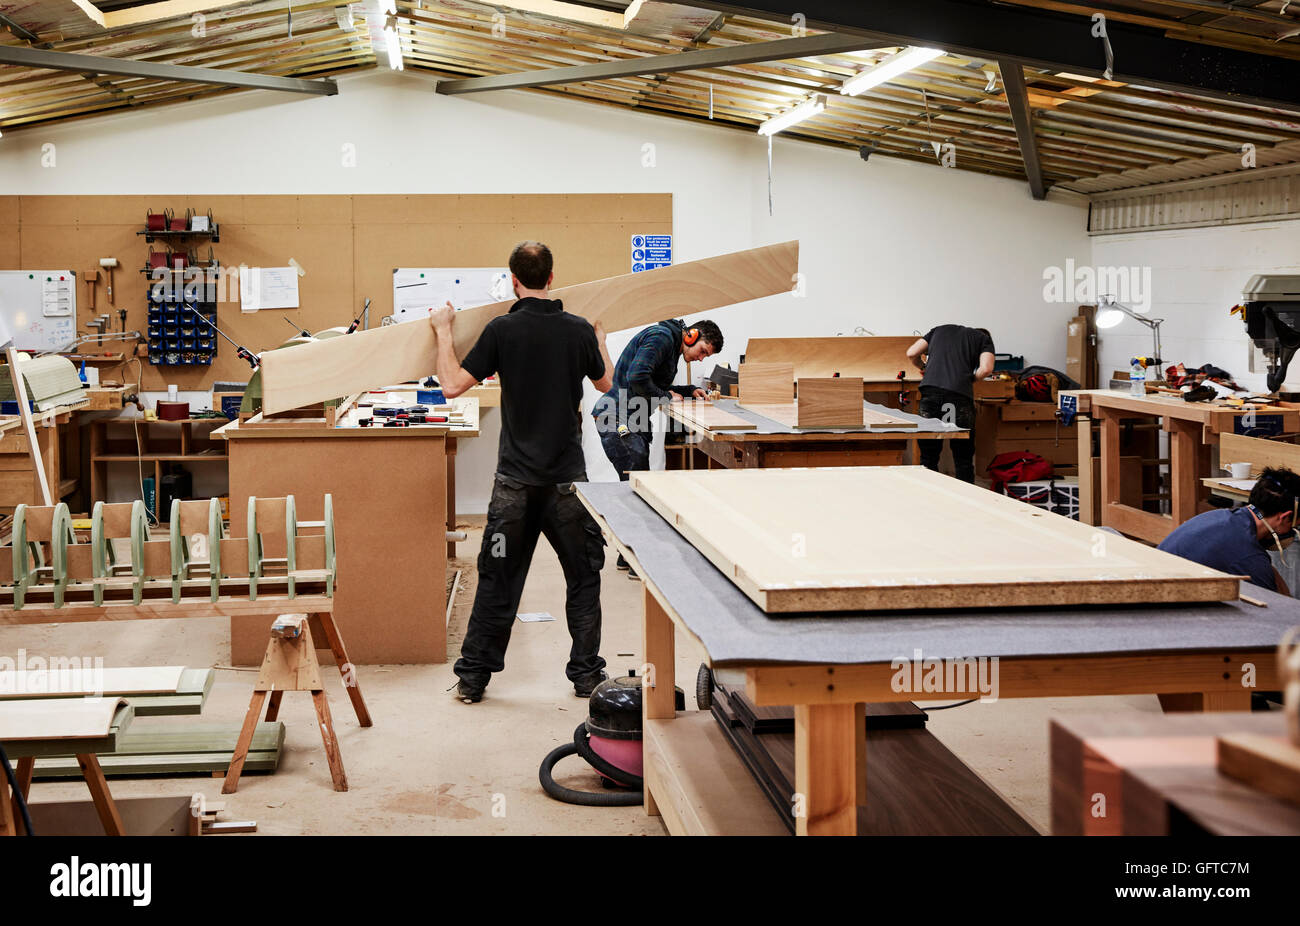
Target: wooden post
[1184,460]
[1083,433]
[1109,460]
[451,493]
[25,412]
[825,769]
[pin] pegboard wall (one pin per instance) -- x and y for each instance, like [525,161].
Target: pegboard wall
[346,245]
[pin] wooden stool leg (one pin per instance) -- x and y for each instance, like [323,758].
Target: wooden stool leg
[24,771]
[331,743]
[98,786]
[349,672]
[245,741]
[273,705]
[7,813]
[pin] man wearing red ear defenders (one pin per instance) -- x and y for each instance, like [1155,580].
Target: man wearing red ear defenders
[643,380]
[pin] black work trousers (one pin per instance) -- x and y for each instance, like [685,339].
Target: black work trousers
[954,408]
[516,516]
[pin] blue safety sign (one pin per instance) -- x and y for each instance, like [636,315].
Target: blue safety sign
[650,252]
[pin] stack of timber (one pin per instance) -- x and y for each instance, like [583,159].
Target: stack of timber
[165,749]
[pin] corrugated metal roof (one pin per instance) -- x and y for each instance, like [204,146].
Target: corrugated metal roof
[1093,136]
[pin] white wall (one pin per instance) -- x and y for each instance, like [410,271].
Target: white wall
[1197,276]
[890,246]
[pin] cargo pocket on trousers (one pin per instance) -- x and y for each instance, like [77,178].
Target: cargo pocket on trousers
[595,546]
[571,511]
[506,511]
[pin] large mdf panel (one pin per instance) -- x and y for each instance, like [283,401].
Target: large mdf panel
[903,537]
[390,599]
[347,245]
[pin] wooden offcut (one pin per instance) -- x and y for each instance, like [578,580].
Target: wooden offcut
[1268,763]
[297,376]
[888,538]
[830,402]
[766,383]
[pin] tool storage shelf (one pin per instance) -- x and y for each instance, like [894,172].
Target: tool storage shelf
[113,440]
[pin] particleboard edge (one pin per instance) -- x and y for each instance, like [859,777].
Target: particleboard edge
[964,595]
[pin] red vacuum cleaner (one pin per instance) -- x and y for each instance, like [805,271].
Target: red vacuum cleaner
[610,741]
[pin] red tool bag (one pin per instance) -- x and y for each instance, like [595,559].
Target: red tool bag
[1015,466]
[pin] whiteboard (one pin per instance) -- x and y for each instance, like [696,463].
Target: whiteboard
[416,290]
[40,308]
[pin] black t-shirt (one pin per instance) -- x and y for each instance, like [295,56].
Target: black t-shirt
[541,354]
[954,355]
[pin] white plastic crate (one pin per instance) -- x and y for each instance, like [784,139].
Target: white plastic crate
[1059,495]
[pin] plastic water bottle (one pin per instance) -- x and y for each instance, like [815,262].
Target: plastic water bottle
[1137,378]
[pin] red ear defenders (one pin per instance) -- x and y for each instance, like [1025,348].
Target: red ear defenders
[691,336]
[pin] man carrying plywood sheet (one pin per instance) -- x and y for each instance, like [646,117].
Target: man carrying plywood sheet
[643,380]
[541,354]
[952,358]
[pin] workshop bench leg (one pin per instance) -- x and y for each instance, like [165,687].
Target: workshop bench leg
[659,701]
[829,755]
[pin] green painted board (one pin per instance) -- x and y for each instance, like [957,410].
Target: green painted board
[185,750]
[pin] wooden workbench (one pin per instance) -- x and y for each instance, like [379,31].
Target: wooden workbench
[1194,429]
[59,444]
[829,667]
[820,447]
[390,507]
[467,407]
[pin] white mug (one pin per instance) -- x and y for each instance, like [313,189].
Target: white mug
[1238,470]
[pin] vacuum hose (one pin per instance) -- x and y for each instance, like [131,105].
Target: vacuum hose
[580,746]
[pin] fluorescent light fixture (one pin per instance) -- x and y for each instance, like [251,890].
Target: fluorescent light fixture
[801,112]
[887,70]
[391,39]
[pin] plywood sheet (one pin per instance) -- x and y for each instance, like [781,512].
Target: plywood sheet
[766,383]
[117,681]
[875,359]
[888,538]
[788,415]
[708,416]
[322,370]
[82,718]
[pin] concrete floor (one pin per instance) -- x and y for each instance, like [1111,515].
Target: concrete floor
[433,766]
